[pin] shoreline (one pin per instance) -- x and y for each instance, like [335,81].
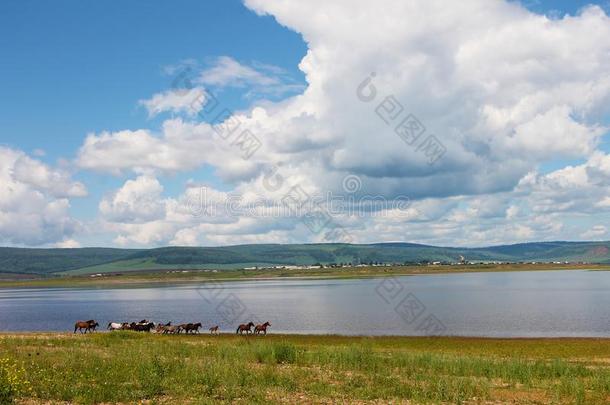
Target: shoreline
[312,336]
[146,279]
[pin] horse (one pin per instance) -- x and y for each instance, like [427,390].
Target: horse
[245,327]
[214,330]
[139,327]
[160,327]
[116,326]
[191,327]
[171,329]
[262,328]
[89,325]
[93,324]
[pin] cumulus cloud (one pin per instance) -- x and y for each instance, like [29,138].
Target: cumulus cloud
[138,200]
[34,203]
[503,89]
[182,146]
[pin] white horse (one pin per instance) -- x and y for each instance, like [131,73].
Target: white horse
[116,326]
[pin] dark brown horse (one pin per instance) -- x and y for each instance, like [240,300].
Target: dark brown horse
[141,327]
[245,327]
[87,326]
[191,327]
[262,328]
[214,329]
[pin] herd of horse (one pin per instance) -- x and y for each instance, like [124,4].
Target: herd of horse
[167,328]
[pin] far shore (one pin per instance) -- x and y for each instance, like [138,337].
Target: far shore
[184,276]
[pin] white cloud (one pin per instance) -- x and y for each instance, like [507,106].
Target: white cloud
[597,232]
[68,244]
[138,200]
[183,146]
[34,202]
[226,71]
[188,101]
[40,176]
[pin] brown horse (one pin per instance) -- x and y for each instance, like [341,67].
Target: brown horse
[245,327]
[214,330]
[141,327]
[191,327]
[262,328]
[88,326]
[171,329]
[93,324]
[161,327]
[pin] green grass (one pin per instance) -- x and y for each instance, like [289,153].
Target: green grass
[126,367]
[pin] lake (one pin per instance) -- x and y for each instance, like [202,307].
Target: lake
[511,304]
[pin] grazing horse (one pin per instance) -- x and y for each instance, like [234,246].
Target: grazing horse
[214,330]
[262,328]
[245,327]
[88,326]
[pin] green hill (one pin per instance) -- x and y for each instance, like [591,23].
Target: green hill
[44,261]
[101,260]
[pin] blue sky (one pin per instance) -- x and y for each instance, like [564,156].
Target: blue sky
[72,68]
[79,67]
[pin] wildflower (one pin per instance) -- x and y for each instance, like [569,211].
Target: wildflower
[13,380]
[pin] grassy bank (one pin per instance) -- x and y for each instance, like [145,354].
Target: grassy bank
[165,276]
[127,367]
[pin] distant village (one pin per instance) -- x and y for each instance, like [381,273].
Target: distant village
[461,262]
[396,264]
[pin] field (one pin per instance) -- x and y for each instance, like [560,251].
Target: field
[126,367]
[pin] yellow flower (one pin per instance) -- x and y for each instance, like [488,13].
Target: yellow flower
[14,374]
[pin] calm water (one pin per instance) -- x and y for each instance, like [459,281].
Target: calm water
[550,303]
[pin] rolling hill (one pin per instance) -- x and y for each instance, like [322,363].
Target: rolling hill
[50,262]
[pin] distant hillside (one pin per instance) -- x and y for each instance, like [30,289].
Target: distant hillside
[44,261]
[99,260]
